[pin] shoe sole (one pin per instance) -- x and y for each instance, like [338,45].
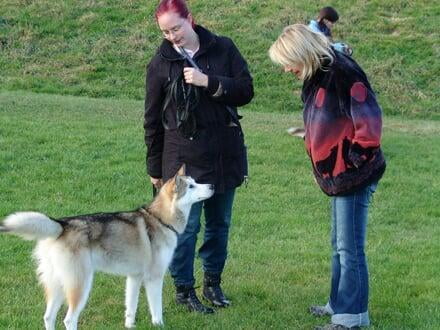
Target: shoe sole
[214,304]
[191,310]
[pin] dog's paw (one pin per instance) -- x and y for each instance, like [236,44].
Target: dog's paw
[158,323]
[130,324]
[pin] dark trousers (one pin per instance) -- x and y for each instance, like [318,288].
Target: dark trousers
[218,212]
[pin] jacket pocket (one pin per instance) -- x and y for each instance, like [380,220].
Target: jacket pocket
[202,150]
[232,142]
[234,156]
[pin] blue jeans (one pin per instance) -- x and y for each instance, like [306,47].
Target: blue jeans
[349,284]
[218,212]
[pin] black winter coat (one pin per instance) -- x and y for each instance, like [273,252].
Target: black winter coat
[216,154]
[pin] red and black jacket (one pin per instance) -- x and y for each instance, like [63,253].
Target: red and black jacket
[343,124]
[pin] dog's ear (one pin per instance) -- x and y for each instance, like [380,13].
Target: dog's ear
[182,170]
[178,181]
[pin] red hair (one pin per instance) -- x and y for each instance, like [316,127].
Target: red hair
[176,6]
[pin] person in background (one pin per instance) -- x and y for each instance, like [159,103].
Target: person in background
[191,118]
[327,18]
[343,125]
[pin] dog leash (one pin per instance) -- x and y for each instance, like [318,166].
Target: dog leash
[148,212]
[186,98]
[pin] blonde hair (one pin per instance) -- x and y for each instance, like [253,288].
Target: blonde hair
[298,44]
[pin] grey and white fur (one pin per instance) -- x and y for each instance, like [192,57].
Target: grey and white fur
[138,244]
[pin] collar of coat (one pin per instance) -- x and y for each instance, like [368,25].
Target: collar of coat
[206,39]
[337,76]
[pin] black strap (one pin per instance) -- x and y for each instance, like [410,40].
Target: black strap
[147,211]
[186,98]
[189,59]
[235,117]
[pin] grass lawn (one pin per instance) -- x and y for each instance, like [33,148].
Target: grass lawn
[66,155]
[99,48]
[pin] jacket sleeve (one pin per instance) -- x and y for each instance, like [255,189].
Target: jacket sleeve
[367,120]
[313,25]
[237,88]
[154,131]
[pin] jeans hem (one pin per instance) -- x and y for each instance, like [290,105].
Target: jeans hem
[212,272]
[329,309]
[184,283]
[352,320]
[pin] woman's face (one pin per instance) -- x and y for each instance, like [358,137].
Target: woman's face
[176,29]
[295,69]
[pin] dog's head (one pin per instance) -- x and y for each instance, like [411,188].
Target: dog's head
[179,194]
[188,191]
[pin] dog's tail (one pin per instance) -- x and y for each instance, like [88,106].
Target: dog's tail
[31,226]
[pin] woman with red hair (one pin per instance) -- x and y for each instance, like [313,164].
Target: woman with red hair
[194,84]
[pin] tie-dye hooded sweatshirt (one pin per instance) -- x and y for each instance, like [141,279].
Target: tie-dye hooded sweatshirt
[343,124]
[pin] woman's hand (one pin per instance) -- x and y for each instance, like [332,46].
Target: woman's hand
[195,77]
[157,182]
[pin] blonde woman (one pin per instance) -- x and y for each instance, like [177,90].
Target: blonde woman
[342,136]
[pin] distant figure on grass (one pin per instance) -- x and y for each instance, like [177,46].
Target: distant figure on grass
[327,18]
[195,82]
[342,137]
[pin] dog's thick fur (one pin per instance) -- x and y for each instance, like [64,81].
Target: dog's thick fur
[138,244]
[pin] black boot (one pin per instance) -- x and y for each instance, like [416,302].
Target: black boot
[186,295]
[213,292]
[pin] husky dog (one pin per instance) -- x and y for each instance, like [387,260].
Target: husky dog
[138,244]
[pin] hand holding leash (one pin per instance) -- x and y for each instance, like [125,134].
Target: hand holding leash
[195,77]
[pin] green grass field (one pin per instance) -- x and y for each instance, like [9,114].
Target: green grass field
[66,155]
[71,142]
[99,48]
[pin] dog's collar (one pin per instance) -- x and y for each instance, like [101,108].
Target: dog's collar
[148,212]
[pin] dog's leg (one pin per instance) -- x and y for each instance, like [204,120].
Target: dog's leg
[76,298]
[154,285]
[54,300]
[131,299]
